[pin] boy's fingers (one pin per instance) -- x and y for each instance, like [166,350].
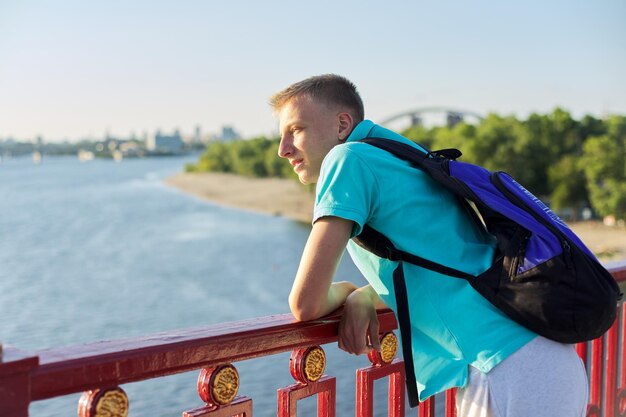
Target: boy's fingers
[374,339]
[376,344]
[360,344]
[346,343]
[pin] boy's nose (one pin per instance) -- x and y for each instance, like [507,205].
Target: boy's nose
[284,147]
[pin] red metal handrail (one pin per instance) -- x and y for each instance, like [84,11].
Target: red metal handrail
[27,377]
[55,372]
[67,370]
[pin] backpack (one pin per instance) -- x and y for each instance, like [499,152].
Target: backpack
[543,276]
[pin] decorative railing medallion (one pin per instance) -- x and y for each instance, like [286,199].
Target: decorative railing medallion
[308,364]
[108,402]
[218,387]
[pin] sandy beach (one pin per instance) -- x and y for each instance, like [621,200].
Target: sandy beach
[288,198]
[274,196]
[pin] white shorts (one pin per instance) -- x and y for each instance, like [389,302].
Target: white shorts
[543,378]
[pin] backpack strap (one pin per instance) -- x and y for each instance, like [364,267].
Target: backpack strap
[410,153]
[401,150]
[377,243]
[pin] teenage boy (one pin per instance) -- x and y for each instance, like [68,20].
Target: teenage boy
[457,338]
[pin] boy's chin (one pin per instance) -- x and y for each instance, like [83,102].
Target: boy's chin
[306,180]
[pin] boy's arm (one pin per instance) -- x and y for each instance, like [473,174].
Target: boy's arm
[312,295]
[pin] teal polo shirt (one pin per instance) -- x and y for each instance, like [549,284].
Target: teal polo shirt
[452,325]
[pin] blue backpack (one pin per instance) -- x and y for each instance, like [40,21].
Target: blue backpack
[543,276]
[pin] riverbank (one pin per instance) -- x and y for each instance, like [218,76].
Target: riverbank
[288,198]
[274,196]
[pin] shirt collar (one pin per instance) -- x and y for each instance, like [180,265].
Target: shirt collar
[361,131]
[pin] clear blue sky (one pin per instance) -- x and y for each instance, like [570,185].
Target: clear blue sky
[70,69]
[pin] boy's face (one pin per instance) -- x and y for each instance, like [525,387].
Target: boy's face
[308,131]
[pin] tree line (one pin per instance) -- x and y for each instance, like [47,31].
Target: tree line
[571,164]
[257,157]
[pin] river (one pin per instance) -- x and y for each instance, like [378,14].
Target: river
[105,250]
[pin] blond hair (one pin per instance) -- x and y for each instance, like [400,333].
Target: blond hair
[329,88]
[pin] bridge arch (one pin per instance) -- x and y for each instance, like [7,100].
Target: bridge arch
[416,116]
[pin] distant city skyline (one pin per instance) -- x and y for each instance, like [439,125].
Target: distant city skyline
[226,133]
[78,69]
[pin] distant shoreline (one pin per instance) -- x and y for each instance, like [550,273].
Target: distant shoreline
[273,196]
[288,198]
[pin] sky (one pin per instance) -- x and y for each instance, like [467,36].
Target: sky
[75,69]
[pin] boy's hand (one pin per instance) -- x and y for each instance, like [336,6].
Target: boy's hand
[359,323]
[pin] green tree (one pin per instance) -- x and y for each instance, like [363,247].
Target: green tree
[548,141]
[216,158]
[590,126]
[496,146]
[605,169]
[565,133]
[462,137]
[249,157]
[538,151]
[420,134]
[568,185]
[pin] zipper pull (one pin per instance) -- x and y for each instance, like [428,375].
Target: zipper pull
[521,256]
[567,254]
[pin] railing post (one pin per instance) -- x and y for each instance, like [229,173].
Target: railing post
[15,382]
[610,382]
[621,392]
[383,365]
[595,382]
[427,408]
[307,368]
[451,402]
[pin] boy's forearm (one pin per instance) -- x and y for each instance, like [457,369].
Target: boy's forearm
[313,294]
[337,294]
[373,295]
[335,298]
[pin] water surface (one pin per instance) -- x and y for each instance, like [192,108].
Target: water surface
[105,250]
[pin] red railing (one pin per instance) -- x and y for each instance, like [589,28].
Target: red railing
[98,369]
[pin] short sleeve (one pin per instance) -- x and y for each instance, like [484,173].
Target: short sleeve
[346,187]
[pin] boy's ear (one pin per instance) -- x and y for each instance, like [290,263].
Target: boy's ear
[346,123]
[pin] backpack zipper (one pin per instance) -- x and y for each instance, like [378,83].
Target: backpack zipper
[497,181]
[568,257]
[521,254]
